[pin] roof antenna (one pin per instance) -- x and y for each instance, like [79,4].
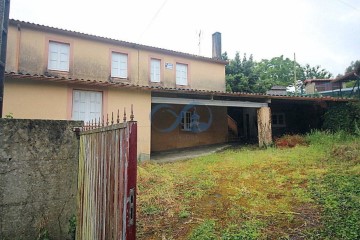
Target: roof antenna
[199,43]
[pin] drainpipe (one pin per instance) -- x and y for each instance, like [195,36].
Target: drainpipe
[4,22]
[18,48]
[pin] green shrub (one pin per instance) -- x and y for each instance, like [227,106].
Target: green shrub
[343,117]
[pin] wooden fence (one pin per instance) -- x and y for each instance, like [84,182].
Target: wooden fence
[107,182]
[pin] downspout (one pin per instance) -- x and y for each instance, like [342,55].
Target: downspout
[18,48]
[138,65]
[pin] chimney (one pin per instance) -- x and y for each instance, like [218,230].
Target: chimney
[216,45]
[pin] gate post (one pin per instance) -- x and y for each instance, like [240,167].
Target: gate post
[131,186]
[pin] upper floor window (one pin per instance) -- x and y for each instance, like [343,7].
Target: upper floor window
[155,70]
[59,56]
[181,74]
[87,105]
[119,65]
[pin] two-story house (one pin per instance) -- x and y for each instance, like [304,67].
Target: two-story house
[59,74]
[179,99]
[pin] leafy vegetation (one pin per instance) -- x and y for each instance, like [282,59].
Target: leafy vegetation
[250,193]
[343,117]
[247,75]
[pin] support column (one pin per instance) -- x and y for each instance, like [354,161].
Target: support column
[264,126]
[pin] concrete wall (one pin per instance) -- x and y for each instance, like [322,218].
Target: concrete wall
[173,138]
[90,59]
[43,100]
[38,177]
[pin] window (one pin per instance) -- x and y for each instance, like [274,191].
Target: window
[181,74]
[186,121]
[59,56]
[87,105]
[119,65]
[278,119]
[155,70]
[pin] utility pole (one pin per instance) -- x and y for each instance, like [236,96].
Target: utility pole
[295,82]
[4,21]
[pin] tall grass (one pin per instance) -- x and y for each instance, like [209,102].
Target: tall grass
[250,193]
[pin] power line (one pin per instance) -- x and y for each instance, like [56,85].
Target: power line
[154,17]
[349,5]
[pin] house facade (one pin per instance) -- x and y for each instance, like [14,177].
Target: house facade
[45,66]
[179,99]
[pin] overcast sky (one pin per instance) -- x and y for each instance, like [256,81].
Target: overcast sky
[320,32]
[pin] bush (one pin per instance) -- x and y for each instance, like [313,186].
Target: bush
[343,117]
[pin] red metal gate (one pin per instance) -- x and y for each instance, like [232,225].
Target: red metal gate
[107,181]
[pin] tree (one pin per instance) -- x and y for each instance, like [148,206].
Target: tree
[240,75]
[247,75]
[353,65]
[277,71]
[315,72]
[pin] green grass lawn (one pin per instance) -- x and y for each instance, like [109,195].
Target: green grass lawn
[305,192]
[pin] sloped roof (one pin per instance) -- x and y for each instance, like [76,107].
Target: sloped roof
[318,80]
[276,87]
[96,83]
[70,33]
[353,75]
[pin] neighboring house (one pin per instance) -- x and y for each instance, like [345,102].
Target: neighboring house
[313,86]
[277,90]
[179,99]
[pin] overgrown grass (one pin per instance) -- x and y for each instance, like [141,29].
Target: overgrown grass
[249,193]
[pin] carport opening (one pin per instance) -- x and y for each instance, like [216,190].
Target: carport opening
[242,125]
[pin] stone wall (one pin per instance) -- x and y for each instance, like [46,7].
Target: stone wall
[38,177]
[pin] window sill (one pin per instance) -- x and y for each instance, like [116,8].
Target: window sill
[56,73]
[156,84]
[119,80]
[183,86]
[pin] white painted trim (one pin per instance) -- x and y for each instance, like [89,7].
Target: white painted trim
[205,102]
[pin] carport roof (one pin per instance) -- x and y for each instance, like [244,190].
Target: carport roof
[160,89]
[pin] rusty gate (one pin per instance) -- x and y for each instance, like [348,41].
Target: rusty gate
[107,181]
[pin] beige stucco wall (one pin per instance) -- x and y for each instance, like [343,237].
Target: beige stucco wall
[310,88]
[90,59]
[28,99]
[120,99]
[161,139]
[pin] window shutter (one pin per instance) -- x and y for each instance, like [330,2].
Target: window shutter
[181,74]
[87,105]
[59,56]
[155,70]
[119,66]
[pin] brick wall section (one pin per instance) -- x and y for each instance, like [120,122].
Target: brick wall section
[38,177]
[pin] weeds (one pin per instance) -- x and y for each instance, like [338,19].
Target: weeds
[251,193]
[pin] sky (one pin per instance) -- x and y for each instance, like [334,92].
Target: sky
[319,32]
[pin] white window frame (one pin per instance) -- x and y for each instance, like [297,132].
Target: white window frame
[58,56]
[119,65]
[87,105]
[186,120]
[277,117]
[181,74]
[155,70]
